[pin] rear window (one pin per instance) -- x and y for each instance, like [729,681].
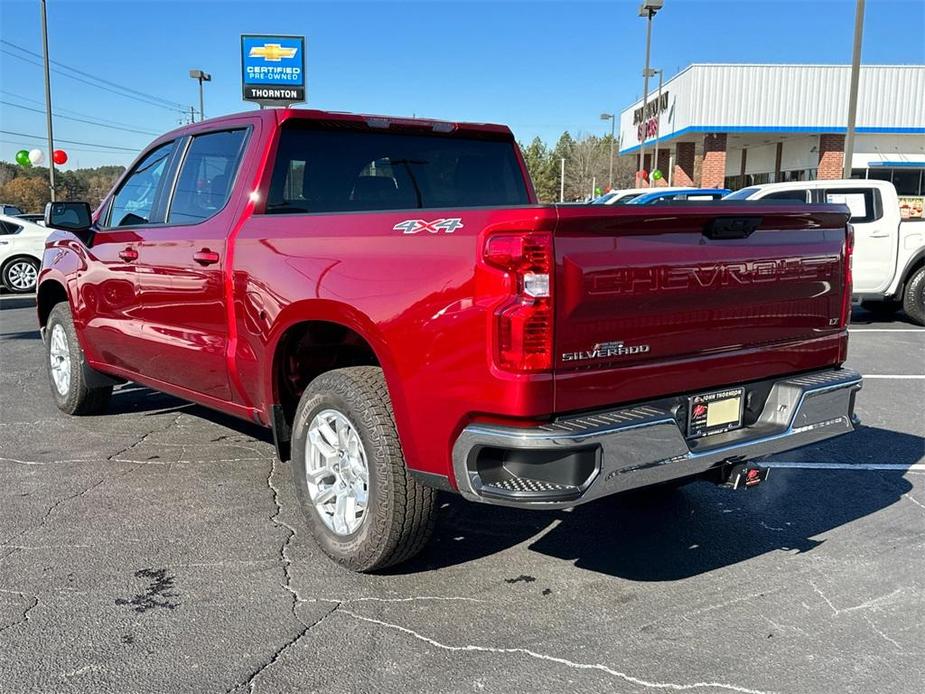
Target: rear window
[354,170]
[864,203]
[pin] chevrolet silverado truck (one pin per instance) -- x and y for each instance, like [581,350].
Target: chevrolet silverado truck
[889,238]
[388,297]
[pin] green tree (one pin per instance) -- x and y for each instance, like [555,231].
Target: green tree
[542,170]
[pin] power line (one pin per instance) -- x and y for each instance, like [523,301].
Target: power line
[70,149]
[71,142]
[71,111]
[79,120]
[94,84]
[168,102]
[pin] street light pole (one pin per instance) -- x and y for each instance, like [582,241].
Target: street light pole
[562,180]
[613,120]
[51,139]
[855,77]
[658,116]
[648,10]
[202,77]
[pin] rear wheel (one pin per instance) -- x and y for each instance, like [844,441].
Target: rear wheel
[364,508]
[20,274]
[65,361]
[914,297]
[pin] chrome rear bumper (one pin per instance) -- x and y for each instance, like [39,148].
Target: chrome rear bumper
[573,460]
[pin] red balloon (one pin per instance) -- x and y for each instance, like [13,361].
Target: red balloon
[59,156]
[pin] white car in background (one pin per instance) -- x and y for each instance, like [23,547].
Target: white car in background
[22,244]
[621,197]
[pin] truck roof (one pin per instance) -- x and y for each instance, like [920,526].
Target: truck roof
[277,116]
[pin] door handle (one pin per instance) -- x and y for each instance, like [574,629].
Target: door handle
[879,234]
[205,257]
[128,254]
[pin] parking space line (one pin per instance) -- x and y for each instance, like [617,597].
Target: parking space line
[896,376]
[889,467]
[886,330]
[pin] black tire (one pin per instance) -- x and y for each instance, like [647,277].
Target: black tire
[77,398]
[881,308]
[400,512]
[914,297]
[13,277]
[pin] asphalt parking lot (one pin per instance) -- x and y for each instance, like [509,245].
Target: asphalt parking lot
[160,549]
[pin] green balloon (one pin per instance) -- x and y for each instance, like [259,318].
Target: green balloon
[22,157]
[657,175]
[597,191]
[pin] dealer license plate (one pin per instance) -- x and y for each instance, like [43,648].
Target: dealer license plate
[715,413]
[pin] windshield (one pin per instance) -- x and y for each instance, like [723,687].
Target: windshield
[743,194]
[603,199]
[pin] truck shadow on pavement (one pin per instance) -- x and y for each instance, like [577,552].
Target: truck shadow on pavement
[662,534]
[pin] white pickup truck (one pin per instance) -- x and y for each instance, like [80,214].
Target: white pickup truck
[889,245]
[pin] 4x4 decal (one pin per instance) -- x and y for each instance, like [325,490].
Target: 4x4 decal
[415,226]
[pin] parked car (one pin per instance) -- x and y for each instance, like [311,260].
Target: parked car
[12,210]
[661,195]
[622,197]
[34,218]
[889,249]
[390,299]
[22,244]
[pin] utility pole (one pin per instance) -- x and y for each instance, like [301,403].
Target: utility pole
[562,180]
[658,116]
[613,119]
[855,77]
[648,10]
[192,115]
[51,139]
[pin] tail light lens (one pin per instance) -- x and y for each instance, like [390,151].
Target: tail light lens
[523,324]
[849,276]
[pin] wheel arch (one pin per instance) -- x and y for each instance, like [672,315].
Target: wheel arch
[49,293]
[310,338]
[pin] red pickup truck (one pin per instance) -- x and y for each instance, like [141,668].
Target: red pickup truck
[390,299]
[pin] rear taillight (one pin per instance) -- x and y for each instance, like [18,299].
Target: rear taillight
[849,277]
[523,324]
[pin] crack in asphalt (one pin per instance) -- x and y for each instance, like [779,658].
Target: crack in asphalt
[517,650]
[114,456]
[25,615]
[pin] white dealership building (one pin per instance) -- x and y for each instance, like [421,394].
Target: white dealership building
[766,123]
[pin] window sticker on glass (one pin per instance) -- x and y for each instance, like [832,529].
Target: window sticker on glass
[855,202]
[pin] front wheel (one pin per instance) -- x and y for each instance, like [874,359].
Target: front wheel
[66,373]
[914,297]
[20,274]
[364,509]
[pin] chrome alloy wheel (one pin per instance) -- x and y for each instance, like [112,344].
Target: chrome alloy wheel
[336,472]
[60,358]
[22,274]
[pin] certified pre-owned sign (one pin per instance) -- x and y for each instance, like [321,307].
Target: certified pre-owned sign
[273,69]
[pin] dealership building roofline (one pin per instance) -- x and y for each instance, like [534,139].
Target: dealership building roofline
[762,122]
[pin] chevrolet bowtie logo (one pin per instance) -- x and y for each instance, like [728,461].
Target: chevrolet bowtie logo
[272,51]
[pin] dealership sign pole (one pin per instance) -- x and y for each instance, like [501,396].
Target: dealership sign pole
[273,69]
[853,96]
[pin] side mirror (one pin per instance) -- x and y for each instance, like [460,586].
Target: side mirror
[69,216]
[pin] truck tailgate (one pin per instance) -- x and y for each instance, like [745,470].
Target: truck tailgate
[679,298]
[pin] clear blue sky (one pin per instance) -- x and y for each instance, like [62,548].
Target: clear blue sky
[540,67]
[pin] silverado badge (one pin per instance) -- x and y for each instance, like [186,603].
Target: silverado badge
[606,350]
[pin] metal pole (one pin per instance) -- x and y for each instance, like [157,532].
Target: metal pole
[593,187]
[51,139]
[202,113]
[855,76]
[658,116]
[613,122]
[645,90]
[562,180]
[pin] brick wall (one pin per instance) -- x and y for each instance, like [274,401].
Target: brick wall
[684,164]
[714,160]
[664,161]
[831,156]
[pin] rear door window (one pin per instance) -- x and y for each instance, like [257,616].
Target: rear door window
[864,203]
[136,202]
[206,174]
[351,170]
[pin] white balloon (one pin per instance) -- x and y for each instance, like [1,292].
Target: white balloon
[36,156]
